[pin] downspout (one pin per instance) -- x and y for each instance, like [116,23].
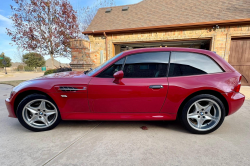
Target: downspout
[106,41]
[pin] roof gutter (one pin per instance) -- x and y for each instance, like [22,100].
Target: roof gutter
[188,25]
[106,43]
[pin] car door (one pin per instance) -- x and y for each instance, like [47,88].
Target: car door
[142,90]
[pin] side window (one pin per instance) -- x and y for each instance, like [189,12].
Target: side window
[185,63]
[146,65]
[110,71]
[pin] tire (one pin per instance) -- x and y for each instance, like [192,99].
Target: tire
[203,114]
[37,113]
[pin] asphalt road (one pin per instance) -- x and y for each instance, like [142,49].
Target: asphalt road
[124,143]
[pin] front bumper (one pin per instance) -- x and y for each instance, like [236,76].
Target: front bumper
[10,107]
[235,100]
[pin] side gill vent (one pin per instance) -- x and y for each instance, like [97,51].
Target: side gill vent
[68,89]
[125,8]
[108,10]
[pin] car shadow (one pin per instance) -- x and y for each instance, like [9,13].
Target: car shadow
[151,125]
[168,125]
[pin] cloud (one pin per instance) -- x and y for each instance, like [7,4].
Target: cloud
[4,23]
[5,39]
[5,19]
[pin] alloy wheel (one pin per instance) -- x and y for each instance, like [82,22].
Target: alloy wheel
[40,113]
[204,114]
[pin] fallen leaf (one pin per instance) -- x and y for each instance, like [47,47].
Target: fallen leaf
[144,128]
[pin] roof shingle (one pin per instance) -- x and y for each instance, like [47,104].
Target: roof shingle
[169,12]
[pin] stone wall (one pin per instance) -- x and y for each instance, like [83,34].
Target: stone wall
[93,52]
[80,54]
[220,38]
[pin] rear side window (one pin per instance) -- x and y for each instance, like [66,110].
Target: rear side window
[146,65]
[185,64]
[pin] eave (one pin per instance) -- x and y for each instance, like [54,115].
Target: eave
[175,26]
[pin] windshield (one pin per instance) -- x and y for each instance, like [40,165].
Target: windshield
[95,70]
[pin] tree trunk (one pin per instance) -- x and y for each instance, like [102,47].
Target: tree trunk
[52,60]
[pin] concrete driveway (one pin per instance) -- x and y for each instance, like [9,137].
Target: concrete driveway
[124,143]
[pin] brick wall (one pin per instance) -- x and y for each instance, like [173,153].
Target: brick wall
[220,38]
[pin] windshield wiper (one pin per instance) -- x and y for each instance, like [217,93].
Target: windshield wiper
[85,72]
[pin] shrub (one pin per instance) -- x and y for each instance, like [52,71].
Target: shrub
[27,68]
[20,68]
[62,69]
[51,71]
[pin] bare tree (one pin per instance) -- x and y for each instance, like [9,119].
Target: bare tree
[18,56]
[86,14]
[44,26]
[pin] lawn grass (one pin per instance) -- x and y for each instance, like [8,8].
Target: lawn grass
[13,83]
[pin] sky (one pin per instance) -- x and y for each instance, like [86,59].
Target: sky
[10,50]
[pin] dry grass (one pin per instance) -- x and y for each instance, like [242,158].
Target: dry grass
[13,83]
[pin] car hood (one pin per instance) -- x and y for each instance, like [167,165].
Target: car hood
[69,74]
[49,81]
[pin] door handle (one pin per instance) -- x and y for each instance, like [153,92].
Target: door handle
[155,86]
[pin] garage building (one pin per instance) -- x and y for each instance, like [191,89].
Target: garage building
[218,25]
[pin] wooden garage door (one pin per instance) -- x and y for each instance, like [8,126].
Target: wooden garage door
[239,58]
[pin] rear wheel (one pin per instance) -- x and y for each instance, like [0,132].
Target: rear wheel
[38,113]
[203,114]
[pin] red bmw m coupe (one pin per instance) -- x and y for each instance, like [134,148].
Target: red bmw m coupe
[196,86]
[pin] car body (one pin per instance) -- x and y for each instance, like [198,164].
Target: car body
[91,96]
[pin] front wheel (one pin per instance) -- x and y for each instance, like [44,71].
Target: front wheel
[38,113]
[203,114]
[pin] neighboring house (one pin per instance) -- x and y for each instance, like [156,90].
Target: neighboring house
[16,64]
[222,26]
[49,65]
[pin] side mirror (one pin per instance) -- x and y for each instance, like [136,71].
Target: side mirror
[118,76]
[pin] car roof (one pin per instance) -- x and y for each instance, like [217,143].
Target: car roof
[167,49]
